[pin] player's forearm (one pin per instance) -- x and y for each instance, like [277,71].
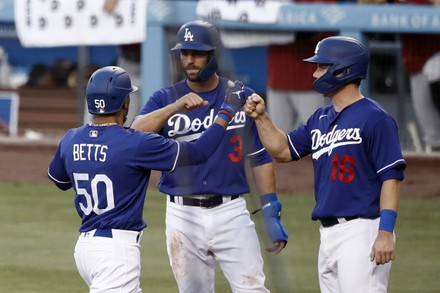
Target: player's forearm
[389,205]
[390,195]
[154,121]
[273,139]
[199,151]
[264,177]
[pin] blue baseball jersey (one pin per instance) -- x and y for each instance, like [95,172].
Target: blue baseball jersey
[353,152]
[224,172]
[109,168]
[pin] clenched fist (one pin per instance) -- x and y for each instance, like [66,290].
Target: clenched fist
[255,106]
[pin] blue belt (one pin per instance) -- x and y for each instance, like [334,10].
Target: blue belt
[126,235]
[103,233]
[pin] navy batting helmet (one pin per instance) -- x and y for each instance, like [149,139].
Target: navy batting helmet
[200,35]
[107,90]
[349,60]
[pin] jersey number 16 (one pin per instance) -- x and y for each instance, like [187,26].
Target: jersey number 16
[342,168]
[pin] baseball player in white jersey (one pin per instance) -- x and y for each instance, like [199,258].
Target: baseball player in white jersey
[358,168]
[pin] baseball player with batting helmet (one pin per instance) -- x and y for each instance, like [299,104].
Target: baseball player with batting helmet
[109,168]
[207,221]
[358,167]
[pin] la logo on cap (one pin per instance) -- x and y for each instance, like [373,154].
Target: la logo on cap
[188,35]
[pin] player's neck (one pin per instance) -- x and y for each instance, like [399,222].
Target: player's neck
[106,120]
[117,118]
[346,96]
[204,86]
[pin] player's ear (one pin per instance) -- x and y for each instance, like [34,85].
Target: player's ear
[126,104]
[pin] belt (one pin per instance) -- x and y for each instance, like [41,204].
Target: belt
[126,235]
[329,222]
[205,202]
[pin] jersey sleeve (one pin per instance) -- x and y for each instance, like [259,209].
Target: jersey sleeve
[299,142]
[163,154]
[254,149]
[158,153]
[197,152]
[384,146]
[57,171]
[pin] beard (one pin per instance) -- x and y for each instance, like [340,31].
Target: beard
[193,77]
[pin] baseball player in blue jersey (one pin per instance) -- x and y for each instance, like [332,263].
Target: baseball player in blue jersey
[109,168]
[358,167]
[207,221]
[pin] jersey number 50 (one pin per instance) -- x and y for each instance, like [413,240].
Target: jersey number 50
[92,201]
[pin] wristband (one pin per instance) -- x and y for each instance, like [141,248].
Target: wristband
[225,115]
[387,220]
[266,198]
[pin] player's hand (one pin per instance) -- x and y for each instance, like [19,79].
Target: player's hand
[271,209]
[235,98]
[255,106]
[277,247]
[189,102]
[383,248]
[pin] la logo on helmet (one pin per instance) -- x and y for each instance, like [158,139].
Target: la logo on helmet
[188,35]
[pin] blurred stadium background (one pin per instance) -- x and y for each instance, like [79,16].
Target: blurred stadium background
[50,93]
[46,85]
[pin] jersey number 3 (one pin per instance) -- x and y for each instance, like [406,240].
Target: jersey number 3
[237,155]
[342,168]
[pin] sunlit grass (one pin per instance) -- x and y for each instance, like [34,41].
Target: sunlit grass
[39,229]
